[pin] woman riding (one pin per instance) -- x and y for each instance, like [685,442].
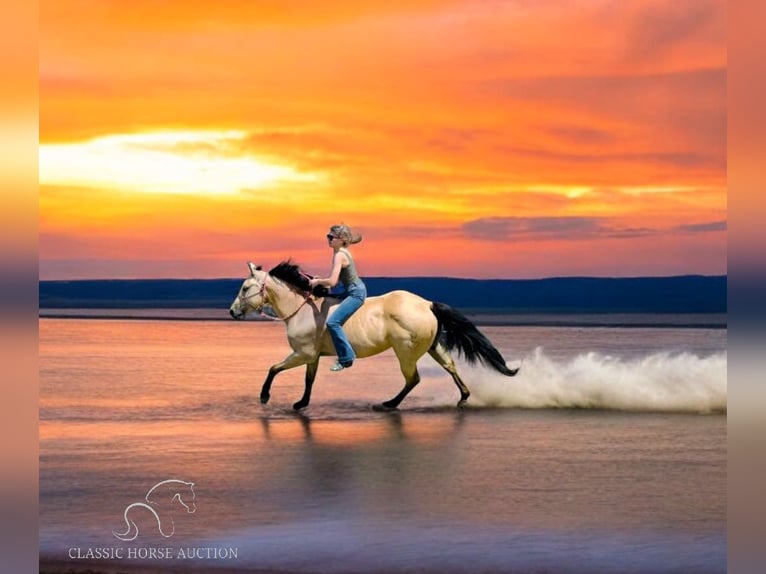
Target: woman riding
[343,271]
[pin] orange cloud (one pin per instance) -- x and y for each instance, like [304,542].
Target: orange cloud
[417,117]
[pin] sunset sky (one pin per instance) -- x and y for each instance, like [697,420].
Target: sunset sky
[463,138]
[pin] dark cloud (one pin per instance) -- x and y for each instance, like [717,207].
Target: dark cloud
[504,228]
[660,26]
[454,140]
[612,92]
[569,228]
[703,227]
[680,159]
[580,134]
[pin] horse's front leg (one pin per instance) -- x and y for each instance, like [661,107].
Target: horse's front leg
[293,360]
[311,373]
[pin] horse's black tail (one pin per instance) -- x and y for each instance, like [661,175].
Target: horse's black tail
[457,332]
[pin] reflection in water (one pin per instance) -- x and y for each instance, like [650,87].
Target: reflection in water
[366,467]
[438,426]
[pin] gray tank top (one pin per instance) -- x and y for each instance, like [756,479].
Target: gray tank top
[348,274]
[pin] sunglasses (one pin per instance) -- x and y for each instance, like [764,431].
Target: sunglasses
[331,237]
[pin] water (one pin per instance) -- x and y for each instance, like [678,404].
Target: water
[607,453]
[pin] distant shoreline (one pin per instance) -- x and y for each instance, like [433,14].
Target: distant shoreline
[540,297]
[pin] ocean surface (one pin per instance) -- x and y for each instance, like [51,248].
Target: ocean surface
[606,453]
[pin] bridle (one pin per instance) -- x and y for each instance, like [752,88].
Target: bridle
[262,293]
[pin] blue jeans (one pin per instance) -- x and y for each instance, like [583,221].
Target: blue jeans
[355,295]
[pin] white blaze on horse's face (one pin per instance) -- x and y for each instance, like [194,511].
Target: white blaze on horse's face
[252,295]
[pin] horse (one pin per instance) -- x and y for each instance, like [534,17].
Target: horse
[401,320]
[161,496]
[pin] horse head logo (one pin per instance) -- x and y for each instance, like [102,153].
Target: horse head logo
[160,498]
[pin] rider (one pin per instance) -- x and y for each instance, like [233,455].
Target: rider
[343,271]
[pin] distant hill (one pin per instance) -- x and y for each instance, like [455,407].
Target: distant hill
[682,294]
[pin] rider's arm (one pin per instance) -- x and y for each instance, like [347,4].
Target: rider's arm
[332,280]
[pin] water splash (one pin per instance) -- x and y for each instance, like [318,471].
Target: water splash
[660,382]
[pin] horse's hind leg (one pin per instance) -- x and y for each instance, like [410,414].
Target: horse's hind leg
[411,379]
[311,373]
[441,356]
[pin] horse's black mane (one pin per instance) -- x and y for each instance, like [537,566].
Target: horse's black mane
[291,274]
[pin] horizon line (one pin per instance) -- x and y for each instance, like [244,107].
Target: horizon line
[443,277]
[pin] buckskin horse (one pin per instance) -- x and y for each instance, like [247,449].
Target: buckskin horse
[401,320]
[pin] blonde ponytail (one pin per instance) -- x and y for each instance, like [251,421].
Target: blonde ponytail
[345,233]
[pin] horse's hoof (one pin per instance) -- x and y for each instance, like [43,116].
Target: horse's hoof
[299,405]
[265,399]
[462,403]
[383,408]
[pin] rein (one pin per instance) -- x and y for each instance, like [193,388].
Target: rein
[262,292]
